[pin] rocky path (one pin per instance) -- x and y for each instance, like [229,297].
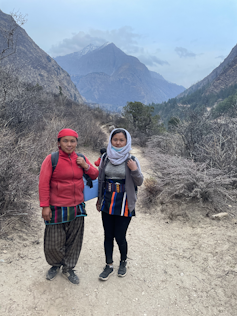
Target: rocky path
[174,269]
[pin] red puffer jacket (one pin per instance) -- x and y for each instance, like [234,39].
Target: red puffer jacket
[64,186]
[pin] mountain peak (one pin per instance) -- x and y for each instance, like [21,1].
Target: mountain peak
[86,50]
[107,75]
[105,44]
[89,48]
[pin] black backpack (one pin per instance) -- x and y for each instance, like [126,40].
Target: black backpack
[54,160]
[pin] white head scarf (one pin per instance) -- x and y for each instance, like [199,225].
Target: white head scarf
[118,157]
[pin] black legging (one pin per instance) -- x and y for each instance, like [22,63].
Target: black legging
[115,227]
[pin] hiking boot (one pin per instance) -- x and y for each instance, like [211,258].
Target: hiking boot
[71,276]
[106,273]
[122,271]
[53,271]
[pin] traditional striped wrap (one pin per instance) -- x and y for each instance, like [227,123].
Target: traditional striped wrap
[63,214]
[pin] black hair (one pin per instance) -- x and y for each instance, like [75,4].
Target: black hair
[102,151]
[117,131]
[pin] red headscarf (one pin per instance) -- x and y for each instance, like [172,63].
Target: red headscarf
[67,132]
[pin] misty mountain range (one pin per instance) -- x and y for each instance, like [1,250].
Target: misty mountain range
[107,76]
[104,75]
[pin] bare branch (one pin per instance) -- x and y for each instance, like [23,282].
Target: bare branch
[9,34]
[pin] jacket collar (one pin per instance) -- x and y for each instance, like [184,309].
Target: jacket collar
[63,154]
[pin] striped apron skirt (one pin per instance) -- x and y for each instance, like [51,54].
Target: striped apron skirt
[115,198]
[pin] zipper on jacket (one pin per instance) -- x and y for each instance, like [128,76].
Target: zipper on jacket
[72,178]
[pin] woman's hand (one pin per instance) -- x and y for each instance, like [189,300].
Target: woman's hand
[82,163]
[47,213]
[98,206]
[132,165]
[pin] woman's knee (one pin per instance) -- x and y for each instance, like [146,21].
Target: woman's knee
[121,240]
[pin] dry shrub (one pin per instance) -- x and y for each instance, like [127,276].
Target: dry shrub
[196,162]
[210,141]
[171,144]
[219,147]
[16,183]
[103,116]
[139,138]
[180,178]
[152,189]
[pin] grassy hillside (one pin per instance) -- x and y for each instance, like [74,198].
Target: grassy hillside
[220,102]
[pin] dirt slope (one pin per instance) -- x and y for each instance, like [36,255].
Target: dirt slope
[175,269]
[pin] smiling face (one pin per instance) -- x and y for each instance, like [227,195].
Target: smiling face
[68,144]
[119,140]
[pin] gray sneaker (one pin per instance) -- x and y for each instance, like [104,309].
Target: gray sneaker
[53,271]
[106,273]
[122,271]
[71,276]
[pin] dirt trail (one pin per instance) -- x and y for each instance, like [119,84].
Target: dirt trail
[175,269]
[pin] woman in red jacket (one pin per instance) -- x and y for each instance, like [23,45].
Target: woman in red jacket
[61,196]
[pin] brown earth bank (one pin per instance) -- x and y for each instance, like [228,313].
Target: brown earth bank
[180,267]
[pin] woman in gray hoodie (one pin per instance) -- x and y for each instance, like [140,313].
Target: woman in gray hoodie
[119,176]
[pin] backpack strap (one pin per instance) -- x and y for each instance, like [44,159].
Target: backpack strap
[80,155]
[105,159]
[54,159]
[104,156]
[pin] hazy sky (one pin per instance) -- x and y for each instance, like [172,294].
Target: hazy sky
[183,40]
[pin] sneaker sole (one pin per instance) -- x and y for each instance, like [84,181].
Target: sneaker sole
[122,275]
[105,279]
[69,280]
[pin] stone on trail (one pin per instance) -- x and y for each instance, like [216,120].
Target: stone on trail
[220,215]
